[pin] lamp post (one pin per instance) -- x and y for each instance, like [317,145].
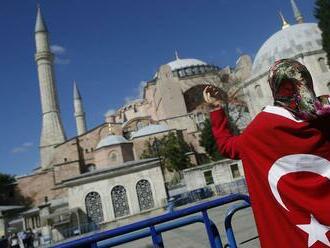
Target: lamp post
[156,148]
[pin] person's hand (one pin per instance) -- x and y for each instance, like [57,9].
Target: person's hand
[212,96]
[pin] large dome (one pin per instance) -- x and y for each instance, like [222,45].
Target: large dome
[183,63]
[287,43]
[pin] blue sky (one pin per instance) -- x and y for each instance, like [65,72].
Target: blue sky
[109,48]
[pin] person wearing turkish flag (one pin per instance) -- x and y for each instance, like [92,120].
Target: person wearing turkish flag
[285,152]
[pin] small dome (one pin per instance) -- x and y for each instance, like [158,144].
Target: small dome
[287,43]
[150,129]
[111,140]
[183,63]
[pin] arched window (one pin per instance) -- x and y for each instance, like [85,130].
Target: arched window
[323,65]
[91,167]
[113,156]
[258,90]
[328,85]
[144,194]
[119,201]
[139,125]
[200,118]
[94,207]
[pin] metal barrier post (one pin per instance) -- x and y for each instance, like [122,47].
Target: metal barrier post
[210,230]
[157,239]
[229,229]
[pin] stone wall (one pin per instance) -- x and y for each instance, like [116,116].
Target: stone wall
[221,173]
[37,186]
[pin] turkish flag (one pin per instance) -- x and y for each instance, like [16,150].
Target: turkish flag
[287,169]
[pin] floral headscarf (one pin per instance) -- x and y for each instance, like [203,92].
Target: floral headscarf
[292,88]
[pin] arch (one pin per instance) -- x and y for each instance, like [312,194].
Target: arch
[93,205]
[328,85]
[322,64]
[134,124]
[113,156]
[91,167]
[119,201]
[144,194]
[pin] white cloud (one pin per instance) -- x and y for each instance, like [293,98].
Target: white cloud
[57,49]
[137,93]
[110,112]
[22,148]
[142,84]
[60,54]
[238,50]
[27,144]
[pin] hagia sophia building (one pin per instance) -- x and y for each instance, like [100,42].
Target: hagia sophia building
[99,173]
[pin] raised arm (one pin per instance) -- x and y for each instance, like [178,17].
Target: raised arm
[227,143]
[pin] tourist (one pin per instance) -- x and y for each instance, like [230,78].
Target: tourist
[14,241]
[285,153]
[3,242]
[29,238]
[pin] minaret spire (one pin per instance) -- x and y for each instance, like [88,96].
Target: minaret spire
[297,14]
[176,55]
[52,132]
[40,23]
[285,24]
[78,110]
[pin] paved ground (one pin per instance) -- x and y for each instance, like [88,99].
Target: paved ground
[194,236]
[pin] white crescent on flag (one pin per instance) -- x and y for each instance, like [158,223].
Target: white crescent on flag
[296,163]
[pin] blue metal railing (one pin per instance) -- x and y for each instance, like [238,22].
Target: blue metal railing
[155,226]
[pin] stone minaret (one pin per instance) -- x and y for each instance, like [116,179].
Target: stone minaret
[78,110]
[297,14]
[52,132]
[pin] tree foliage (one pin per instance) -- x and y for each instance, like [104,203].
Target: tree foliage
[322,13]
[208,142]
[171,149]
[5,181]
[9,194]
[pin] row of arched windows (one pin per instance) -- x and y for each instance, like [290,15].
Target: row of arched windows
[120,203]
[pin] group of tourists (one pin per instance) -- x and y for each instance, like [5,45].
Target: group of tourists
[24,239]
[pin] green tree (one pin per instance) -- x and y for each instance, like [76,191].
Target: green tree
[172,149]
[322,13]
[9,194]
[5,181]
[208,142]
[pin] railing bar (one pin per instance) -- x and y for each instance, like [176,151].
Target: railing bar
[154,221]
[160,229]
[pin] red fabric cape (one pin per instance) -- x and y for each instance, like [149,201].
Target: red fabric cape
[287,169]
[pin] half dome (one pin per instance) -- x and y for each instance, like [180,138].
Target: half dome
[111,140]
[149,130]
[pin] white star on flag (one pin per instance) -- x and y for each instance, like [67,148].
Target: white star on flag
[316,232]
